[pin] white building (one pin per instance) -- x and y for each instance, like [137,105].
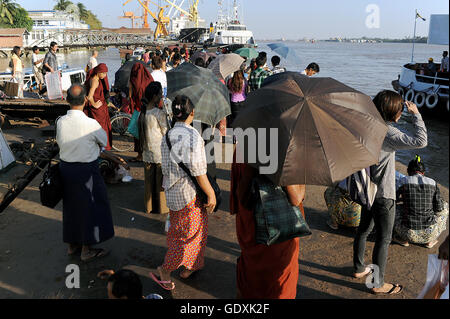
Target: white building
[49,25]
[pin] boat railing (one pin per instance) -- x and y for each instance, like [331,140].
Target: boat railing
[432,79]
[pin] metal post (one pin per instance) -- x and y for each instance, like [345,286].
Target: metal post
[414,38]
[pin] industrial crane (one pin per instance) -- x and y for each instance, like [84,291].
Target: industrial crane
[160,20]
[130,15]
[193,11]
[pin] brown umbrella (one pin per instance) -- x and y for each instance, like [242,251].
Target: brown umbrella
[204,55]
[226,64]
[326,130]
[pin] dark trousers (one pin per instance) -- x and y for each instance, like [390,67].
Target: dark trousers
[382,217]
[236,107]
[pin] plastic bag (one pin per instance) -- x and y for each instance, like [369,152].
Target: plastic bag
[437,279]
[54,86]
[133,127]
[124,175]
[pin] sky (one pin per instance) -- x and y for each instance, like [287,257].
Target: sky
[294,19]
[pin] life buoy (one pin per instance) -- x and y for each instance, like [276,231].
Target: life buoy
[401,91]
[420,98]
[432,101]
[409,96]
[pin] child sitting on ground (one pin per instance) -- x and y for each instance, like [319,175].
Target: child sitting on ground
[124,284]
[422,214]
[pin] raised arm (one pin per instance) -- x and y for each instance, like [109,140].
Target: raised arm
[397,140]
[94,86]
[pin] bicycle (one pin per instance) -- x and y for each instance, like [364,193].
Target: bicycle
[123,141]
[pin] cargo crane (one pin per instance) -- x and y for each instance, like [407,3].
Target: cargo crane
[160,20]
[193,11]
[131,16]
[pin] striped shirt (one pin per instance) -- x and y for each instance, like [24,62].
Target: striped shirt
[421,201]
[187,147]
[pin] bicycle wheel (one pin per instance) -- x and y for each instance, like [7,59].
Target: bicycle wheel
[122,140]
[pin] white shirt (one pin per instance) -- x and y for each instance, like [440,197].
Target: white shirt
[155,128]
[35,58]
[92,63]
[161,77]
[79,137]
[189,147]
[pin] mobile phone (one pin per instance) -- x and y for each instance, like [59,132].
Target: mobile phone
[405,107]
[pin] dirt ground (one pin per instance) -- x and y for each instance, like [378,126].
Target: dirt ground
[33,257]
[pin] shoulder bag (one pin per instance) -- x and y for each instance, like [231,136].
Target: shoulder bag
[51,187]
[200,193]
[276,220]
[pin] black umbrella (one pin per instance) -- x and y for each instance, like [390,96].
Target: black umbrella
[122,77]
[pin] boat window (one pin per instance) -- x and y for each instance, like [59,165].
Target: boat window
[76,78]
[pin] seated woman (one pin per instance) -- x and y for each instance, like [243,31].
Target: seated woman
[343,211]
[422,214]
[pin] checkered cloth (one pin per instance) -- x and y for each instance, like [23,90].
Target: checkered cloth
[188,147]
[257,78]
[422,200]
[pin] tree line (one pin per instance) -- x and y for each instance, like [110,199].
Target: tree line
[12,15]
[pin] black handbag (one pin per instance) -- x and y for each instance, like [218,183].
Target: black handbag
[200,193]
[276,220]
[51,187]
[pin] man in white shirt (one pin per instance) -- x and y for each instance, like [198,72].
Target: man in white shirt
[276,65]
[93,60]
[87,218]
[79,137]
[158,74]
[37,67]
[444,62]
[311,69]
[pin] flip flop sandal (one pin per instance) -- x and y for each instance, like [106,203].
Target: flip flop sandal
[390,292]
[158,280]
[360,275]
[98,254]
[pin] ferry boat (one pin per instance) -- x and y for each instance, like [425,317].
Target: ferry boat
[69,76]
[417,83]
[230,30]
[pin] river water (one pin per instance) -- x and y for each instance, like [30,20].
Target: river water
[367,67]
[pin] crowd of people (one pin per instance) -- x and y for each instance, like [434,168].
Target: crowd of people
[175,179]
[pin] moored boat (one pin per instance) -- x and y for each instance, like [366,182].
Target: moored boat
[427,87]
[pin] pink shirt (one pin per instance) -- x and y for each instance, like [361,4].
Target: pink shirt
[241,96]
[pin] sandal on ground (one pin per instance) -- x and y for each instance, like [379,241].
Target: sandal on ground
[332,225]
[359,275]
[431,244]
[162,283]
[97,253]
[390,292]
[403,243]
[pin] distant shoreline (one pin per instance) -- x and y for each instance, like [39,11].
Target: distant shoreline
[351,40]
